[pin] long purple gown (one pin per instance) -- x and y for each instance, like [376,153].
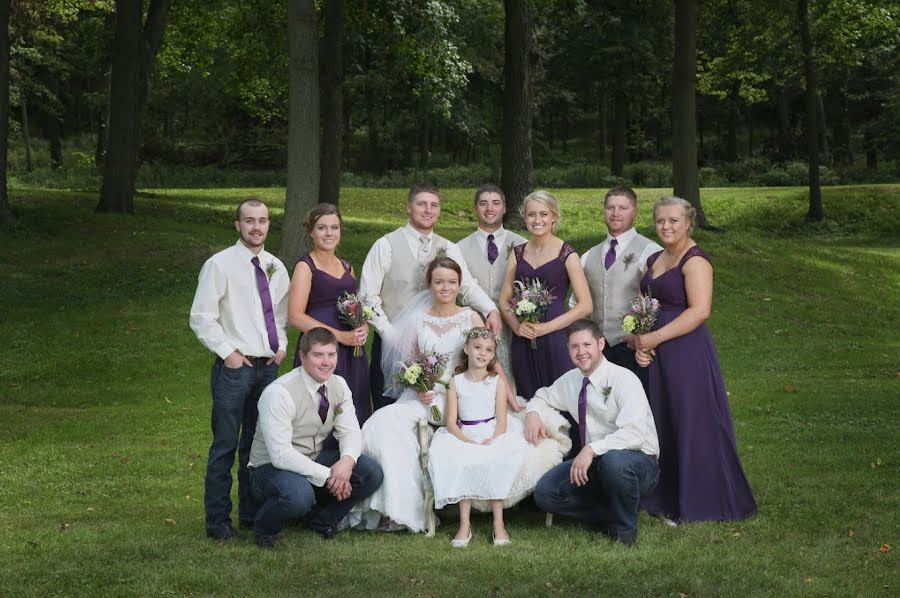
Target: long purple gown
[324,293]
[536,368]
[701,478]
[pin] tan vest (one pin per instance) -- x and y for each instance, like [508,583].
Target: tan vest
[489,276]
[613,290]
[308,430]
[405,277]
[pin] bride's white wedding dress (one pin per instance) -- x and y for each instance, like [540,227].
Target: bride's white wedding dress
[389,436]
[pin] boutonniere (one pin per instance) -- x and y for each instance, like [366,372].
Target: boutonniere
[606,390]
[629,259]
[442,252]
[271,269]
[339,409]
[509,249]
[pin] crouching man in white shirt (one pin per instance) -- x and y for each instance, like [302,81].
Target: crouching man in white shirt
[290,474]
[604,483]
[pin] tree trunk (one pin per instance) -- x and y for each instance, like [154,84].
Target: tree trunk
[26,135]
[303,126]
[731,150]
[515,153]
[750,131]
[684,108]
[333,139]
[812,110]
[6,215]
[620,122]
[134,52]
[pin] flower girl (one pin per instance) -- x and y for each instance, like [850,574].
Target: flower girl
[480,452]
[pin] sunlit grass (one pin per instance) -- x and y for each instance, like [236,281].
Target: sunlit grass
[104,411]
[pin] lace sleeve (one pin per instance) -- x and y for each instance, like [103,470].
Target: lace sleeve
[565,251]
[519,251]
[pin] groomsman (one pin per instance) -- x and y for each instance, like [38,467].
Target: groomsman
[486,251]
[613,271]
[239,313]
[394,272]
[617,464]
[292,476]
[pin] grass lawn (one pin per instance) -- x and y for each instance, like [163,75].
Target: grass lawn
[104,412]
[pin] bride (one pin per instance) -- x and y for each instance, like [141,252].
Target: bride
[431,322]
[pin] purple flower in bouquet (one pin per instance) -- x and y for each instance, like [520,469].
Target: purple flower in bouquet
[530,301]
[642,315]
[422,373]
[355,310]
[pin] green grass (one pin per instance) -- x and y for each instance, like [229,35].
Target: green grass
[104,412]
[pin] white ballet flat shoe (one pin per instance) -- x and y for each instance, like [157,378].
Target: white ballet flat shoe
[499,542]
[455,543]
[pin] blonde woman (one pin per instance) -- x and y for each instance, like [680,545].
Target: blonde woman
[549,259]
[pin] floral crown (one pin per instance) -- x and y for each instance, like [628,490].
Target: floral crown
[480,332]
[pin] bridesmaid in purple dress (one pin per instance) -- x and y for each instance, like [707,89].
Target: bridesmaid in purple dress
[548,258]
[701,478]
[320,278]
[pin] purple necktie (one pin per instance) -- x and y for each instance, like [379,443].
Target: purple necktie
[262,283]
[611,254]
[492,250]
[582,410]
[323,403]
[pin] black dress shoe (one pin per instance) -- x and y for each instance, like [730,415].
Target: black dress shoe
[246,524]
[222,533]
[627,539]
[266,541]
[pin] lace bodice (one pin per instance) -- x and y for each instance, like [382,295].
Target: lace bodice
[445,335]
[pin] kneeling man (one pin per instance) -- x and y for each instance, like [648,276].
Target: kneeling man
[290,474]
[604,483]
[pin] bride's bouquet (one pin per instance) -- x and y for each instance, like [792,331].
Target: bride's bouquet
[530,301]
[355,310]
[422,373]
[642,315]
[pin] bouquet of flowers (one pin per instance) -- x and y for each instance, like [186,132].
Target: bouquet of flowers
[530,301]
[422,373]
[355,310]
[642,315]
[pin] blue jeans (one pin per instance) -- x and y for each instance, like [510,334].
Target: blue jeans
[616,482]
[235,393]
[287,495]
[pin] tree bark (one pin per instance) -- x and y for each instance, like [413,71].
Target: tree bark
[26,135]
[6,215]
[684,108]
[620,122]
[333,138]
[515,153]
[134,52]
[53,126]
[303,126]
[815,211]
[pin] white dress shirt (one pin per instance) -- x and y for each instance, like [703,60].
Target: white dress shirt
[620,421]
[623,240]
[227,313]
[378,262]
[277,411]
